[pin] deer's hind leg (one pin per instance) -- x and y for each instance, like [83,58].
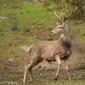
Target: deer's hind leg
[29,67]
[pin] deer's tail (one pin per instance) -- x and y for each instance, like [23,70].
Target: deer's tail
[26,48]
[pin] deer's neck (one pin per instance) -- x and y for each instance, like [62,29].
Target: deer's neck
[65,39]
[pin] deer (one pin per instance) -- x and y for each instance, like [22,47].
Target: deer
[50,50]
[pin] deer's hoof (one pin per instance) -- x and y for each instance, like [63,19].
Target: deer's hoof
[56,78]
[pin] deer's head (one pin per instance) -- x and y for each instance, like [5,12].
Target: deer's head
[59,26]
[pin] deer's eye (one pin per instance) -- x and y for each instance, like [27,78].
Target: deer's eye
[60,27]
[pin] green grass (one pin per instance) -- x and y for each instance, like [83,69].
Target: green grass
[26,14]
[38,20]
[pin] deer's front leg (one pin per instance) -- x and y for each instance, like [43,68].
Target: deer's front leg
[57,57]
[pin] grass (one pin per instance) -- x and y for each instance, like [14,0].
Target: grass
[27,14]
[33,23]
[43,77]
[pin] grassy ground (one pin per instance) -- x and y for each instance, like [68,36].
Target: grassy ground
[43,77]
[33,23]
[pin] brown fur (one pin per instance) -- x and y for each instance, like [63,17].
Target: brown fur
[53,50]
[47,49]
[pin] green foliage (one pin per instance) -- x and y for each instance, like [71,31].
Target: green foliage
[61,6]
[50,4]
[26,14]
[66,6]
